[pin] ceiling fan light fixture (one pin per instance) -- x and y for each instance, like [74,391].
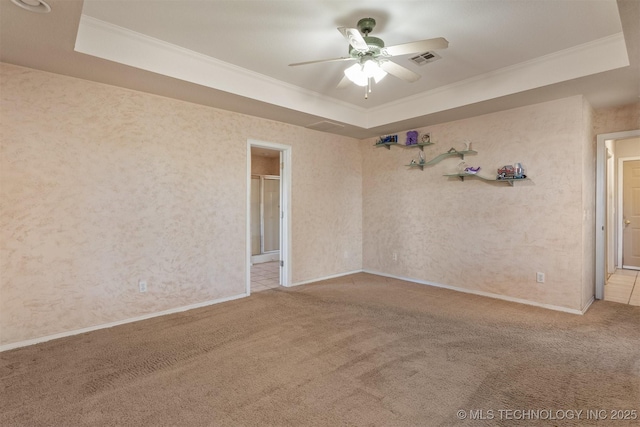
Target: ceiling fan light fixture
[356,75]
[372,69]
[360,74]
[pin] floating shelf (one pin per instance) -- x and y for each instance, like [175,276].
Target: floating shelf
[463,175]
[450,153]
[417,165]
[419,145]
[386,145]
[441,157]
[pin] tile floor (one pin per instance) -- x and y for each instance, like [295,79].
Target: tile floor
[623,286]
[265,276]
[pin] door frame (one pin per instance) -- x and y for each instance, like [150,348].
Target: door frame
[285,211]
[601,161]
[620,216]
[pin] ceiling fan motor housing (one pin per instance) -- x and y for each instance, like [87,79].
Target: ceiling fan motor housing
[366,25]
[375,45]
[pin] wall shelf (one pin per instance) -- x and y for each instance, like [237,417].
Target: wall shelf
[463,175]
[386,145]
[416,165]
[452,152]
[419,145]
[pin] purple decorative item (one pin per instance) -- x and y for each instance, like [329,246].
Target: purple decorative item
[471,170]
[412,137]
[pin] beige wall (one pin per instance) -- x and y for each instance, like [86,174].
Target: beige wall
[486,237]
[617,119]
[261,165]
[103,187]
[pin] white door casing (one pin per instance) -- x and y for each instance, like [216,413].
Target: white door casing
[285,210]
[601,203]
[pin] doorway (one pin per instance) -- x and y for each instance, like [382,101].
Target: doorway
[268,215]
[612,150]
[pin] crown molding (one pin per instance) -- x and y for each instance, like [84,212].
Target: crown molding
[111,42]
[605,54]
[114,43]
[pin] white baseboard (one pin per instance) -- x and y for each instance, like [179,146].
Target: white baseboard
[304,282]
[587,305]
[484,294]
[268,257]
[231,298]
[119,322]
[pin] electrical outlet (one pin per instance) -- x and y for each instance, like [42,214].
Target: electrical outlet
[142,285]
[395,256]
[539,277]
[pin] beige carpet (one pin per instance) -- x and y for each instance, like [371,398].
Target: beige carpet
[360,351]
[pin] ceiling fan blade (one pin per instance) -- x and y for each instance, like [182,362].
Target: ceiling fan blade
[419,46]
[343,83]
[344,58]
[355,38]
[399,71]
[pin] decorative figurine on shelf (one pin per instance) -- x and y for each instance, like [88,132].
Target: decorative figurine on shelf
[506,172]
[389,139]
[511,172]
[412,137]
[467,145]
[518,171]
[421,158]
[426,138]
[471,170]
[463,167]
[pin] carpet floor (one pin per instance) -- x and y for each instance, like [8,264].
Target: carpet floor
[360,350]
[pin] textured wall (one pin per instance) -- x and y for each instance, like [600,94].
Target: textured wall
[103,186]
[261,165]
[484,236]
[617,119]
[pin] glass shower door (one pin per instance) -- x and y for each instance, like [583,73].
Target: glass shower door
[256,240]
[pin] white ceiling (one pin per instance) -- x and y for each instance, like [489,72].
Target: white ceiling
[235,54]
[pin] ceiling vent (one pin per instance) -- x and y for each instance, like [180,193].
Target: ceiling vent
[425,58]
[325,126]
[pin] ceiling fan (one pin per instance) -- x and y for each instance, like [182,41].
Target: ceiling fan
[372,57]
